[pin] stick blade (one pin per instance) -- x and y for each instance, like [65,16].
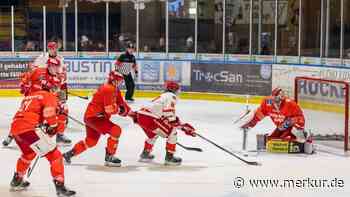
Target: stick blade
[197,149]
[254,163]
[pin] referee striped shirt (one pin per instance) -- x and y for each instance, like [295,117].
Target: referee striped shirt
[125,63]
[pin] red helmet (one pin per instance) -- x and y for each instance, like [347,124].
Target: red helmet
[171,86]
[276,92]
[54,66]
[115,76]
[52,45]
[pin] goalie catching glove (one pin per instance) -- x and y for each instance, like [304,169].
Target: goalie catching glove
[287,123]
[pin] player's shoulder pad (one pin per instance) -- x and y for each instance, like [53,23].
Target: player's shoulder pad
[290,101]
[39,72]
[170,94]
[107,88]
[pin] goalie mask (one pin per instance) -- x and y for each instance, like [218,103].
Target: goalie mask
[278,95]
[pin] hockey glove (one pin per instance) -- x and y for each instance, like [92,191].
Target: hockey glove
[124,110]
[188,129]
[62,96]
[50,130]
[288,122]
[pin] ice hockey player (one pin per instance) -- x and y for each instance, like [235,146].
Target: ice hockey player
[159,119]
[288,118]
[52,49]
[41,62]
[32,127]
[106,102]
[49,76]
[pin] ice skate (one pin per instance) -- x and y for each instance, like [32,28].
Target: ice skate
[171,160]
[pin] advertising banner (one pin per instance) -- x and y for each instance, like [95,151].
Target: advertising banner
[10,72]
[283,75]
[249,79]
[90,73]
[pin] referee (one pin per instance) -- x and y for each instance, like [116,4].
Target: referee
[125,64]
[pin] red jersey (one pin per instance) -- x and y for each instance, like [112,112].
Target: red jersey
[288,109]
[106,102]
[36,108]
[32,81]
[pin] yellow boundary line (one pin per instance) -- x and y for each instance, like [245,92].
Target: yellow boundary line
[198,96]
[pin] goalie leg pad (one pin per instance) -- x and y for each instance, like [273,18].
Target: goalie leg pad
[299,135]
[44,144]
[283,146]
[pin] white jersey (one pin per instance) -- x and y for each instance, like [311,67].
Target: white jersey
[162,106]
[41,60]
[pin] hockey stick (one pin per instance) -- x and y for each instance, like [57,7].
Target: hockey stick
[30,169]
[82,97]
[229,152]
[189,148]
[244,145]
[182,146]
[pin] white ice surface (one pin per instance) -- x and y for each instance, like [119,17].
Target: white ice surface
[207,174]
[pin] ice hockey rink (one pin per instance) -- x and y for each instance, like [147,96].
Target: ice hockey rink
[211,173]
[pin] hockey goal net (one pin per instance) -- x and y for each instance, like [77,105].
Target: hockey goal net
[326,109]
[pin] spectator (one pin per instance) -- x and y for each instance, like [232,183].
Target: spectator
[189,44]
[145,48]
[161,46]
[84,43]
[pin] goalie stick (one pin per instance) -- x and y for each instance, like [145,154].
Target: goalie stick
[182,146]
[229,152]
[242,116]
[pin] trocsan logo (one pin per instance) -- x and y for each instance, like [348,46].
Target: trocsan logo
[223,76]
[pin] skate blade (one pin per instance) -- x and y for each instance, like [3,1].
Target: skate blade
[109,164]
[171,164]
[18,189]
[145,160]
[62,195]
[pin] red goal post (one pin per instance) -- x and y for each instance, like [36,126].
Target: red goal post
[326,107]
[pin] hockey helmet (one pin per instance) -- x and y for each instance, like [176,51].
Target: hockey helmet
[171,86]
[115,76]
